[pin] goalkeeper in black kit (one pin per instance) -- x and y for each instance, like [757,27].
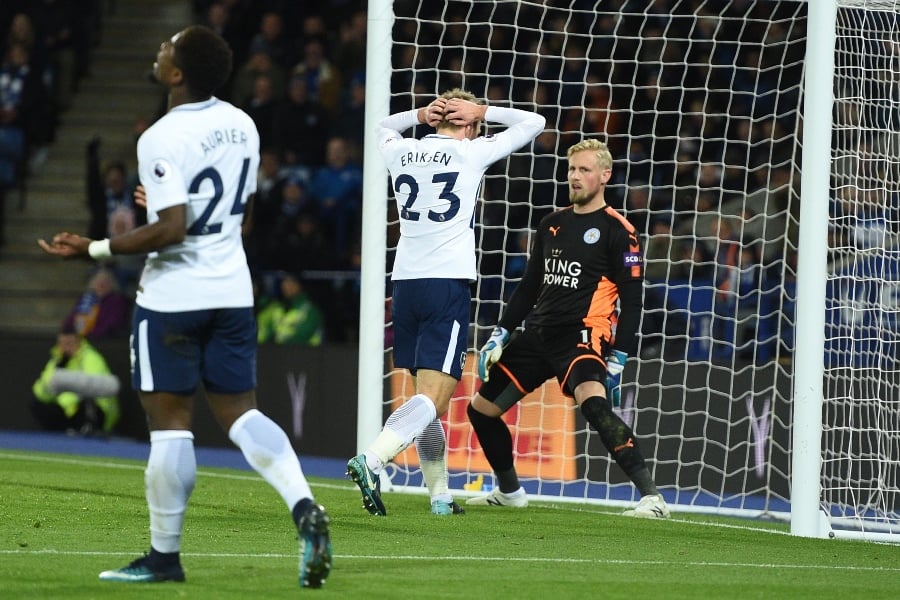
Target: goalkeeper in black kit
[583,260]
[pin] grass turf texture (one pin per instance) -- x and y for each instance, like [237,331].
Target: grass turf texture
[63,519]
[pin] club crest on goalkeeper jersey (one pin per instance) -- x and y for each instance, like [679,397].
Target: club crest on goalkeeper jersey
[204,155]
[581,259]
[436,182]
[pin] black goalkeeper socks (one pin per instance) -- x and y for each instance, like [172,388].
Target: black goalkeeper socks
[508,481]
[643,481]
[495,439]
[615,434]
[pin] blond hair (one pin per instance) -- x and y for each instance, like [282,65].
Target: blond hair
[603,155]
[462,95]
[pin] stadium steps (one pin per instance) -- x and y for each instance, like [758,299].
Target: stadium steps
[37,291]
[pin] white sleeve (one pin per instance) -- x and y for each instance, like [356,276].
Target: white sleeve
[392,126]
[523,126]
[162,179]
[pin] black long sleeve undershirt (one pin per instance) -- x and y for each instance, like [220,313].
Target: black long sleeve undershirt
[631,303]
[524,296]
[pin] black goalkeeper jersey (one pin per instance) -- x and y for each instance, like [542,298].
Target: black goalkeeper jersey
[579,266]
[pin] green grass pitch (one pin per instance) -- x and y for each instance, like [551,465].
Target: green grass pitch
[64,518]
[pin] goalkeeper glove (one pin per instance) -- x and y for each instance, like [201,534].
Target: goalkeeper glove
[491,351]
[615,364]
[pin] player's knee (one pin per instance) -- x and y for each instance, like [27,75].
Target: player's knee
[589,389]
[482,407]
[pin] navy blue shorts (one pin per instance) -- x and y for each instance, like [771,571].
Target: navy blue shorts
[174,352]
[431,324]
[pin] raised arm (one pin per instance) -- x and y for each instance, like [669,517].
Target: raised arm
[394,125]
[522,127]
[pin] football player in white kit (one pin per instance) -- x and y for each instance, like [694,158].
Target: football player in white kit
[194,318]
[436,182]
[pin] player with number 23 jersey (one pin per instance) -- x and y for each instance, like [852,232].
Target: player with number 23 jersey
[436,182]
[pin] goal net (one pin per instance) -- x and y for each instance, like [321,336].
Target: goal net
[861,422]
[701,105]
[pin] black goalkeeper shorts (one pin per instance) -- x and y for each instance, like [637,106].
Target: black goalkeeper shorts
[533,356]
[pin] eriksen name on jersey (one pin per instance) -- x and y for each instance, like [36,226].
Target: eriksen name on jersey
[423,158]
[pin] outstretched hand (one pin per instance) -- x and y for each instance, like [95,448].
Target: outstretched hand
[66,244]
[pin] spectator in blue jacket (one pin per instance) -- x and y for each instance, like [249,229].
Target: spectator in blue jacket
[337,188]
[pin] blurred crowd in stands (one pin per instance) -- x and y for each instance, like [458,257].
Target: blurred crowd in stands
[299,72]
[699,105]
[46,52]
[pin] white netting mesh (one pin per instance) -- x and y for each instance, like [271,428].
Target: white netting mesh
[700,104]
[861,441]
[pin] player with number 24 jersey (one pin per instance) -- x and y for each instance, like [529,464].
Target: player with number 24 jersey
[193,322]
[189,157]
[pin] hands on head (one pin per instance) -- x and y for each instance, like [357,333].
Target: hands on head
[434,112]
[462,112]
[457,111]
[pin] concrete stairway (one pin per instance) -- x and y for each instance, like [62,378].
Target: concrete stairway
[37,290]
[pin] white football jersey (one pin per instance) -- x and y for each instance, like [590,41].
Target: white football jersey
[204,155]
[437,180]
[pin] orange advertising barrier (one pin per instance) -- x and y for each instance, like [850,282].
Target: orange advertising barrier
[542,426]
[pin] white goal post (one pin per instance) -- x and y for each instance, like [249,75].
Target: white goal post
[767,378]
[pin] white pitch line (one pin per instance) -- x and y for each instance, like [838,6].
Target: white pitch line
[334,486]
[521,559]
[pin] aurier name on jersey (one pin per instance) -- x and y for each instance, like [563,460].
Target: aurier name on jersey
[216,138]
